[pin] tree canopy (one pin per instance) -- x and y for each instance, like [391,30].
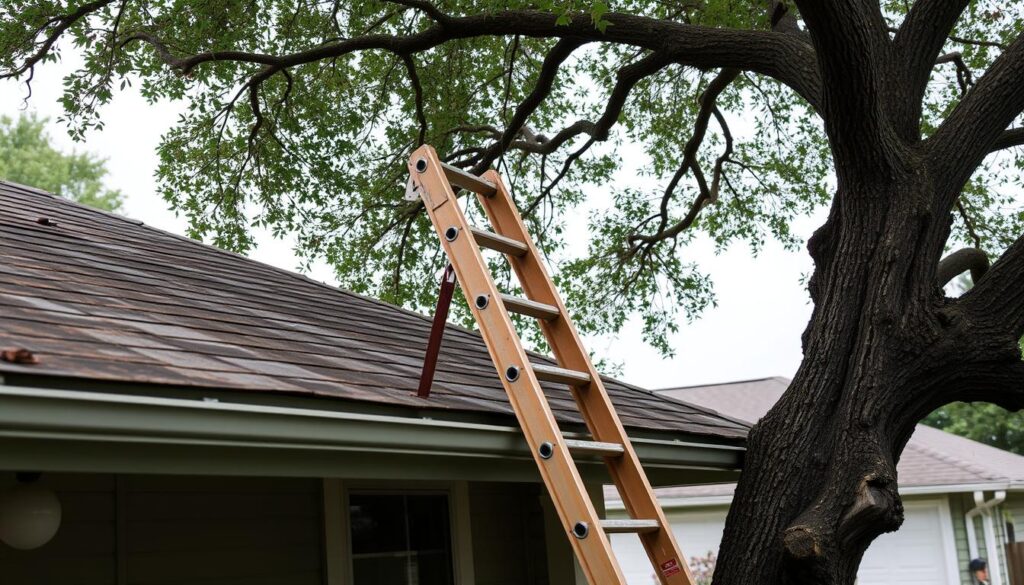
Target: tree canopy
[27,156]
[300,114]
[727,119]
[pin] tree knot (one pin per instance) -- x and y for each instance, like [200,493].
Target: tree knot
[802,542]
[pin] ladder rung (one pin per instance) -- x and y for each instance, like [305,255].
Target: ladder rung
[630,526]
[562,375]
[531,308]
[594,448]
[464,180]
[498,242]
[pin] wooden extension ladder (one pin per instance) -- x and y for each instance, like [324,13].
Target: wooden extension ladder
[433,180]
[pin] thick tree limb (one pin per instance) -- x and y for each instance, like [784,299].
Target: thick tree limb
[1009,139]
[979,121]
[1000,294]
[961,261]
[916,45]
[781,56]
[852,46]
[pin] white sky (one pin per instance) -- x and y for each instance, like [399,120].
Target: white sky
[753,332]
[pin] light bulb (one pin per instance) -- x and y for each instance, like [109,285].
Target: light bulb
[29,516]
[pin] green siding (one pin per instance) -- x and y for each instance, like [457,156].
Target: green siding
[222,531]
[507,523]
[176,530]
[83,551]
[959,504]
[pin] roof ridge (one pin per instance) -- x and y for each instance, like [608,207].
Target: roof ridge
[729,383]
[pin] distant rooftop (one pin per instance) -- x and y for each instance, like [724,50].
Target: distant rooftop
[932,461]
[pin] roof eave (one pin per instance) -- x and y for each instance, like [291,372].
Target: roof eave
[65,430]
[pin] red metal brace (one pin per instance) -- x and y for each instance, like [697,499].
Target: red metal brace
[444,301]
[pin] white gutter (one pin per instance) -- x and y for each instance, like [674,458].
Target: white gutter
[984,508]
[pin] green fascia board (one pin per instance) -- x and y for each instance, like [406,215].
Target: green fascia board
[51,430]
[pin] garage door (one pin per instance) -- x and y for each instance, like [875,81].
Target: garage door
[915,555]
[698,533]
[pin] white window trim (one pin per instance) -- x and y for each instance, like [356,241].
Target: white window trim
[948,537]
[336,527]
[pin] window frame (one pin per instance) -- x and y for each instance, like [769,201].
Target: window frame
[340,567]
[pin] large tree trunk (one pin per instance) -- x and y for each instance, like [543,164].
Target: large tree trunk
[884,347]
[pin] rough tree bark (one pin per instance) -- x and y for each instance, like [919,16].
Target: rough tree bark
[884,346]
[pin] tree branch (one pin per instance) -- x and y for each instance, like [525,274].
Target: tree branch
[917,45]
[62,23]
[1008,139]
[782,56]
[1000,293]
[541,89]
[980,121]
[417,88]
[852,47]
[961,261]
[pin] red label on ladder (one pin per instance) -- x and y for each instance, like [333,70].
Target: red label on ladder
[670,567]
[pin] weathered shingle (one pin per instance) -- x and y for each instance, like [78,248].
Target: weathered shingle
[100,297]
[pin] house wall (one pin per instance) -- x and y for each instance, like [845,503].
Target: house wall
[1014,512]
[960,504]
[84,550]
[509,543]
[184,530]
[157,530]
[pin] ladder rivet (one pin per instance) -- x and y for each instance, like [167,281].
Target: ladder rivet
[482,301]
[580,530]
[421,165]
[451,233]
[546,450]
[512,373]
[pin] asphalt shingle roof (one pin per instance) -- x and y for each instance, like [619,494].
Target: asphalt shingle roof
[100,297]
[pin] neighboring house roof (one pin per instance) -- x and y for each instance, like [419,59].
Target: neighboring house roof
[99,297]
[933,461]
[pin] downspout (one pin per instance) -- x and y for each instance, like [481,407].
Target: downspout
[985,510]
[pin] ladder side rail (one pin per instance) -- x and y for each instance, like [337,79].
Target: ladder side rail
[536,419]
[593,400]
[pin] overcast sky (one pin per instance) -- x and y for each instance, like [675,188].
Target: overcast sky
[754,331]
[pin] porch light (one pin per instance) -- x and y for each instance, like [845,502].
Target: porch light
[29,514]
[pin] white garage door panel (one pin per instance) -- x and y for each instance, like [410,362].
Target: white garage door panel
[914,555]
[697,533]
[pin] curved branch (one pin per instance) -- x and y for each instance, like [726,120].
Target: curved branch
[1001,292]
[979,121]
[782,56]
[961,261]
[917,44]
[417,88]
[62,23]
[700,126]
[1008,139]
[545,81]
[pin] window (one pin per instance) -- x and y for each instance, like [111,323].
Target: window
[400,539]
